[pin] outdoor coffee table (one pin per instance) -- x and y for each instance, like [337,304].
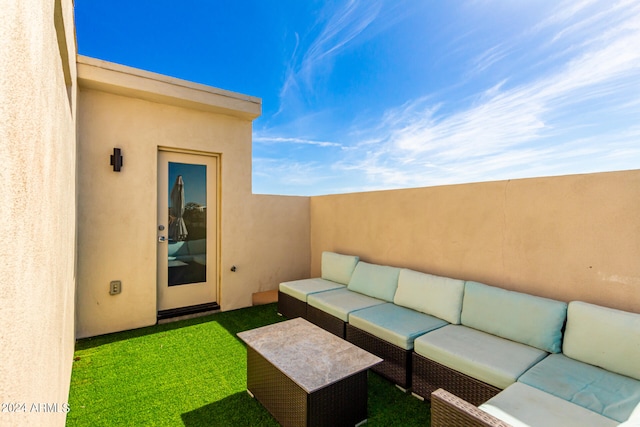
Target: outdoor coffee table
[306,376]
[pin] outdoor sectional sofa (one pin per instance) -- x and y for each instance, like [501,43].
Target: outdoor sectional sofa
[595,381]
[379,308]
[336,271]
[500,336]
[463,344]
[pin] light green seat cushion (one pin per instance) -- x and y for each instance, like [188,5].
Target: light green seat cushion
[607,393]
[337,267]
[377,281]
[520,317]
[434,295]
[483,356]
[523,406]
[394,324]
[340,302]
[300,289]
[603,337]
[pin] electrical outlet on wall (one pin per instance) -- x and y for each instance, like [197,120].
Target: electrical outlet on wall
[115,287]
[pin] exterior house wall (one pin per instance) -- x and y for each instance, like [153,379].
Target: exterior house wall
[266,237]
[38,148]
[569,237]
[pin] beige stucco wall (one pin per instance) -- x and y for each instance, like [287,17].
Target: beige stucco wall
[266,237]
[569,237]
[37,145]
[269,244]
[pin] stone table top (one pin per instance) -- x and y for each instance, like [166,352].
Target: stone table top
[312,357]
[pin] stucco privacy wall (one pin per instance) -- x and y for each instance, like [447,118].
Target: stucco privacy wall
[570,237]
[37,145]
[266,237]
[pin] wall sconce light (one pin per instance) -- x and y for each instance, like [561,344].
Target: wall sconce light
[116,159]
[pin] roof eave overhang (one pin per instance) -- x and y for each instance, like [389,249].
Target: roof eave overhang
[135,83]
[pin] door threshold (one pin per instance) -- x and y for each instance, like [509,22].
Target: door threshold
[181,313]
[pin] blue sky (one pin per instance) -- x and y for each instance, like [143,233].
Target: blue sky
[382,94]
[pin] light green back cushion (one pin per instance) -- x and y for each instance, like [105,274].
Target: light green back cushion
[338,268]
[377,281]
[603,337]
[434,295]
[516,316]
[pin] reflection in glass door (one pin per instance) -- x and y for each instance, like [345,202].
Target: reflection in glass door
[187,234]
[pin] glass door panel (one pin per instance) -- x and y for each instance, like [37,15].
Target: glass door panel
[187,219]
[187,260]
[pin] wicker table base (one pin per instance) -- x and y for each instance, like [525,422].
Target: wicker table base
[306,376]
[340,404]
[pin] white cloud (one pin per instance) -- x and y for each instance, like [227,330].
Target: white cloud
[291,140]
[338,28]
[527,129]
[287,175]
[577,114]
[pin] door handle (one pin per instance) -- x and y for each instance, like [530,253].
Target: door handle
[162,239]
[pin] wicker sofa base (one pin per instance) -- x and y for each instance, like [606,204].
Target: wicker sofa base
[448,410]
[291,307]
[343,403]
[396,364]
[427,376]
[326,321]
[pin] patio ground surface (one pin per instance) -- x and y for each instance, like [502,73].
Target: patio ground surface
[193,373]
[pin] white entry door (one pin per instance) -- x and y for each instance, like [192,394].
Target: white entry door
[187,230]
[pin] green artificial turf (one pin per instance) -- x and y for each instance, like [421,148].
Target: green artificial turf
[193,373]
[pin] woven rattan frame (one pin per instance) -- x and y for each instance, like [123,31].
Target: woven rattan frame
[326,321]
[427,376]
[396,364]
[343,403]
[291,307]
[448,410]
